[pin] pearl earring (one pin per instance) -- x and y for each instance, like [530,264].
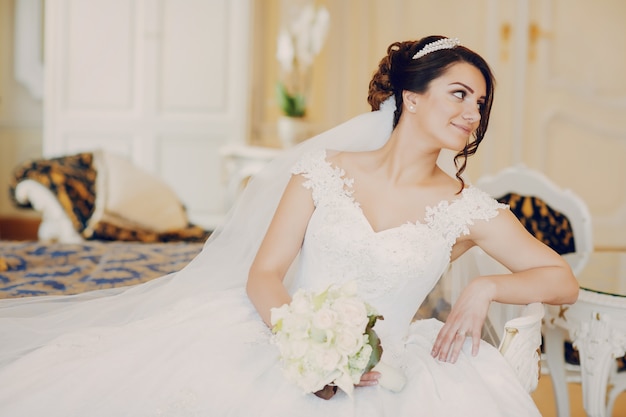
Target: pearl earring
[411,108]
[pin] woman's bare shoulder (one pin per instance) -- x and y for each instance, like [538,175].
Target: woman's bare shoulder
[347,160]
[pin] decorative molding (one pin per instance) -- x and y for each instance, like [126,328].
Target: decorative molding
[556,82]
[554,116]
[610,300]
[520,73]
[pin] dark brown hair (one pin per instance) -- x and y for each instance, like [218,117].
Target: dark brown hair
[398,71]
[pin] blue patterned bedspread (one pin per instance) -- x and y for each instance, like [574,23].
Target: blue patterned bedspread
[36,268]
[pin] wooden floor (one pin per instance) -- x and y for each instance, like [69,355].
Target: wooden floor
[19,228]
[544,398]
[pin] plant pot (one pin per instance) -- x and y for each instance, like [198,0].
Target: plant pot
[292,130]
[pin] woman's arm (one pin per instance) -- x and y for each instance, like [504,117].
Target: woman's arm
[538,275]
[279,248]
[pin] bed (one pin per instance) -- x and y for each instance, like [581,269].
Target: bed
[104,223]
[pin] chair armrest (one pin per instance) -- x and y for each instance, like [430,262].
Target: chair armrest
[521,343]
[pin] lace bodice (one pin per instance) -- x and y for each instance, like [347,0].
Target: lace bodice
[395,268]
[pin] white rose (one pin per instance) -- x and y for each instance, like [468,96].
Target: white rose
[325,318]
[324,337]
[296,325]
[301,304]
[360,360]
[278,313]
[297,348]
[349,288]
[349,342]
[326,359]
[352,312]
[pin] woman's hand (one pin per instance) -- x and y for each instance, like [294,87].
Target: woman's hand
[465,320]
[369,379]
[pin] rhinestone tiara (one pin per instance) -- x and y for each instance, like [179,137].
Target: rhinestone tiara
[446,43]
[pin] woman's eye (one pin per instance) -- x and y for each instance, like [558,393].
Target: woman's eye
[459,94]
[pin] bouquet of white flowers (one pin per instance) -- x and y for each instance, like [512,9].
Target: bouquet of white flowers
[327,339]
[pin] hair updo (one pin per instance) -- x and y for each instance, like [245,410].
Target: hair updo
[398,71]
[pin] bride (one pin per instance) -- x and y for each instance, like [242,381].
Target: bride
[364,201]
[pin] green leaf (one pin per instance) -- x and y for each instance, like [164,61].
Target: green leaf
[372,320]
[293,105]
[377,349]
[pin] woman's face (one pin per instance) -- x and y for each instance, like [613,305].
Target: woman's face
[449,111]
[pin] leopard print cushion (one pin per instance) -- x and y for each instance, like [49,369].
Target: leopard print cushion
[546,224]
[71,178]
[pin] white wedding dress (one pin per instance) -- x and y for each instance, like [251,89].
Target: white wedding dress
[211,355]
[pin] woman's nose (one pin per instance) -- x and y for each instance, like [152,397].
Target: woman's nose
[471,115]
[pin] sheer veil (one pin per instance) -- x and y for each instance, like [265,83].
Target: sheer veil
[28,323]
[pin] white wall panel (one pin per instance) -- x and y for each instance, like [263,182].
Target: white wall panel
[586,146]
[99,57]
[590,158]
[90,141]
[191,165]
[593,69]
[194,57]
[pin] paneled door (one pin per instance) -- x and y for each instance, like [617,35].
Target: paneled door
[575,109]
[163,82]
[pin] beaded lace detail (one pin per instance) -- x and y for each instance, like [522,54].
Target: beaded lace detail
[327,183]
[452,219]
[382,261]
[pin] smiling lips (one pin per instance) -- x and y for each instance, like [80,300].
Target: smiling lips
[466,129]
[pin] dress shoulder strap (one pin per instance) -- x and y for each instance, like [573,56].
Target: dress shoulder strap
[326,182]
[453,219]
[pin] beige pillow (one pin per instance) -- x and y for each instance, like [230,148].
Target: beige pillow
[130,197]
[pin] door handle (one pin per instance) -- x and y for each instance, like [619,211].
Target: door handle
[535,34]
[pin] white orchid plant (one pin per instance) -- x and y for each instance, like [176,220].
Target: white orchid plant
[299,42]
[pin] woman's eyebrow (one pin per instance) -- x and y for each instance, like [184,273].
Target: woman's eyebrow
[470,89]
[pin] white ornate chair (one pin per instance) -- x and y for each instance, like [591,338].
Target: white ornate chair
[521,345]
[596,323]
[522,181]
